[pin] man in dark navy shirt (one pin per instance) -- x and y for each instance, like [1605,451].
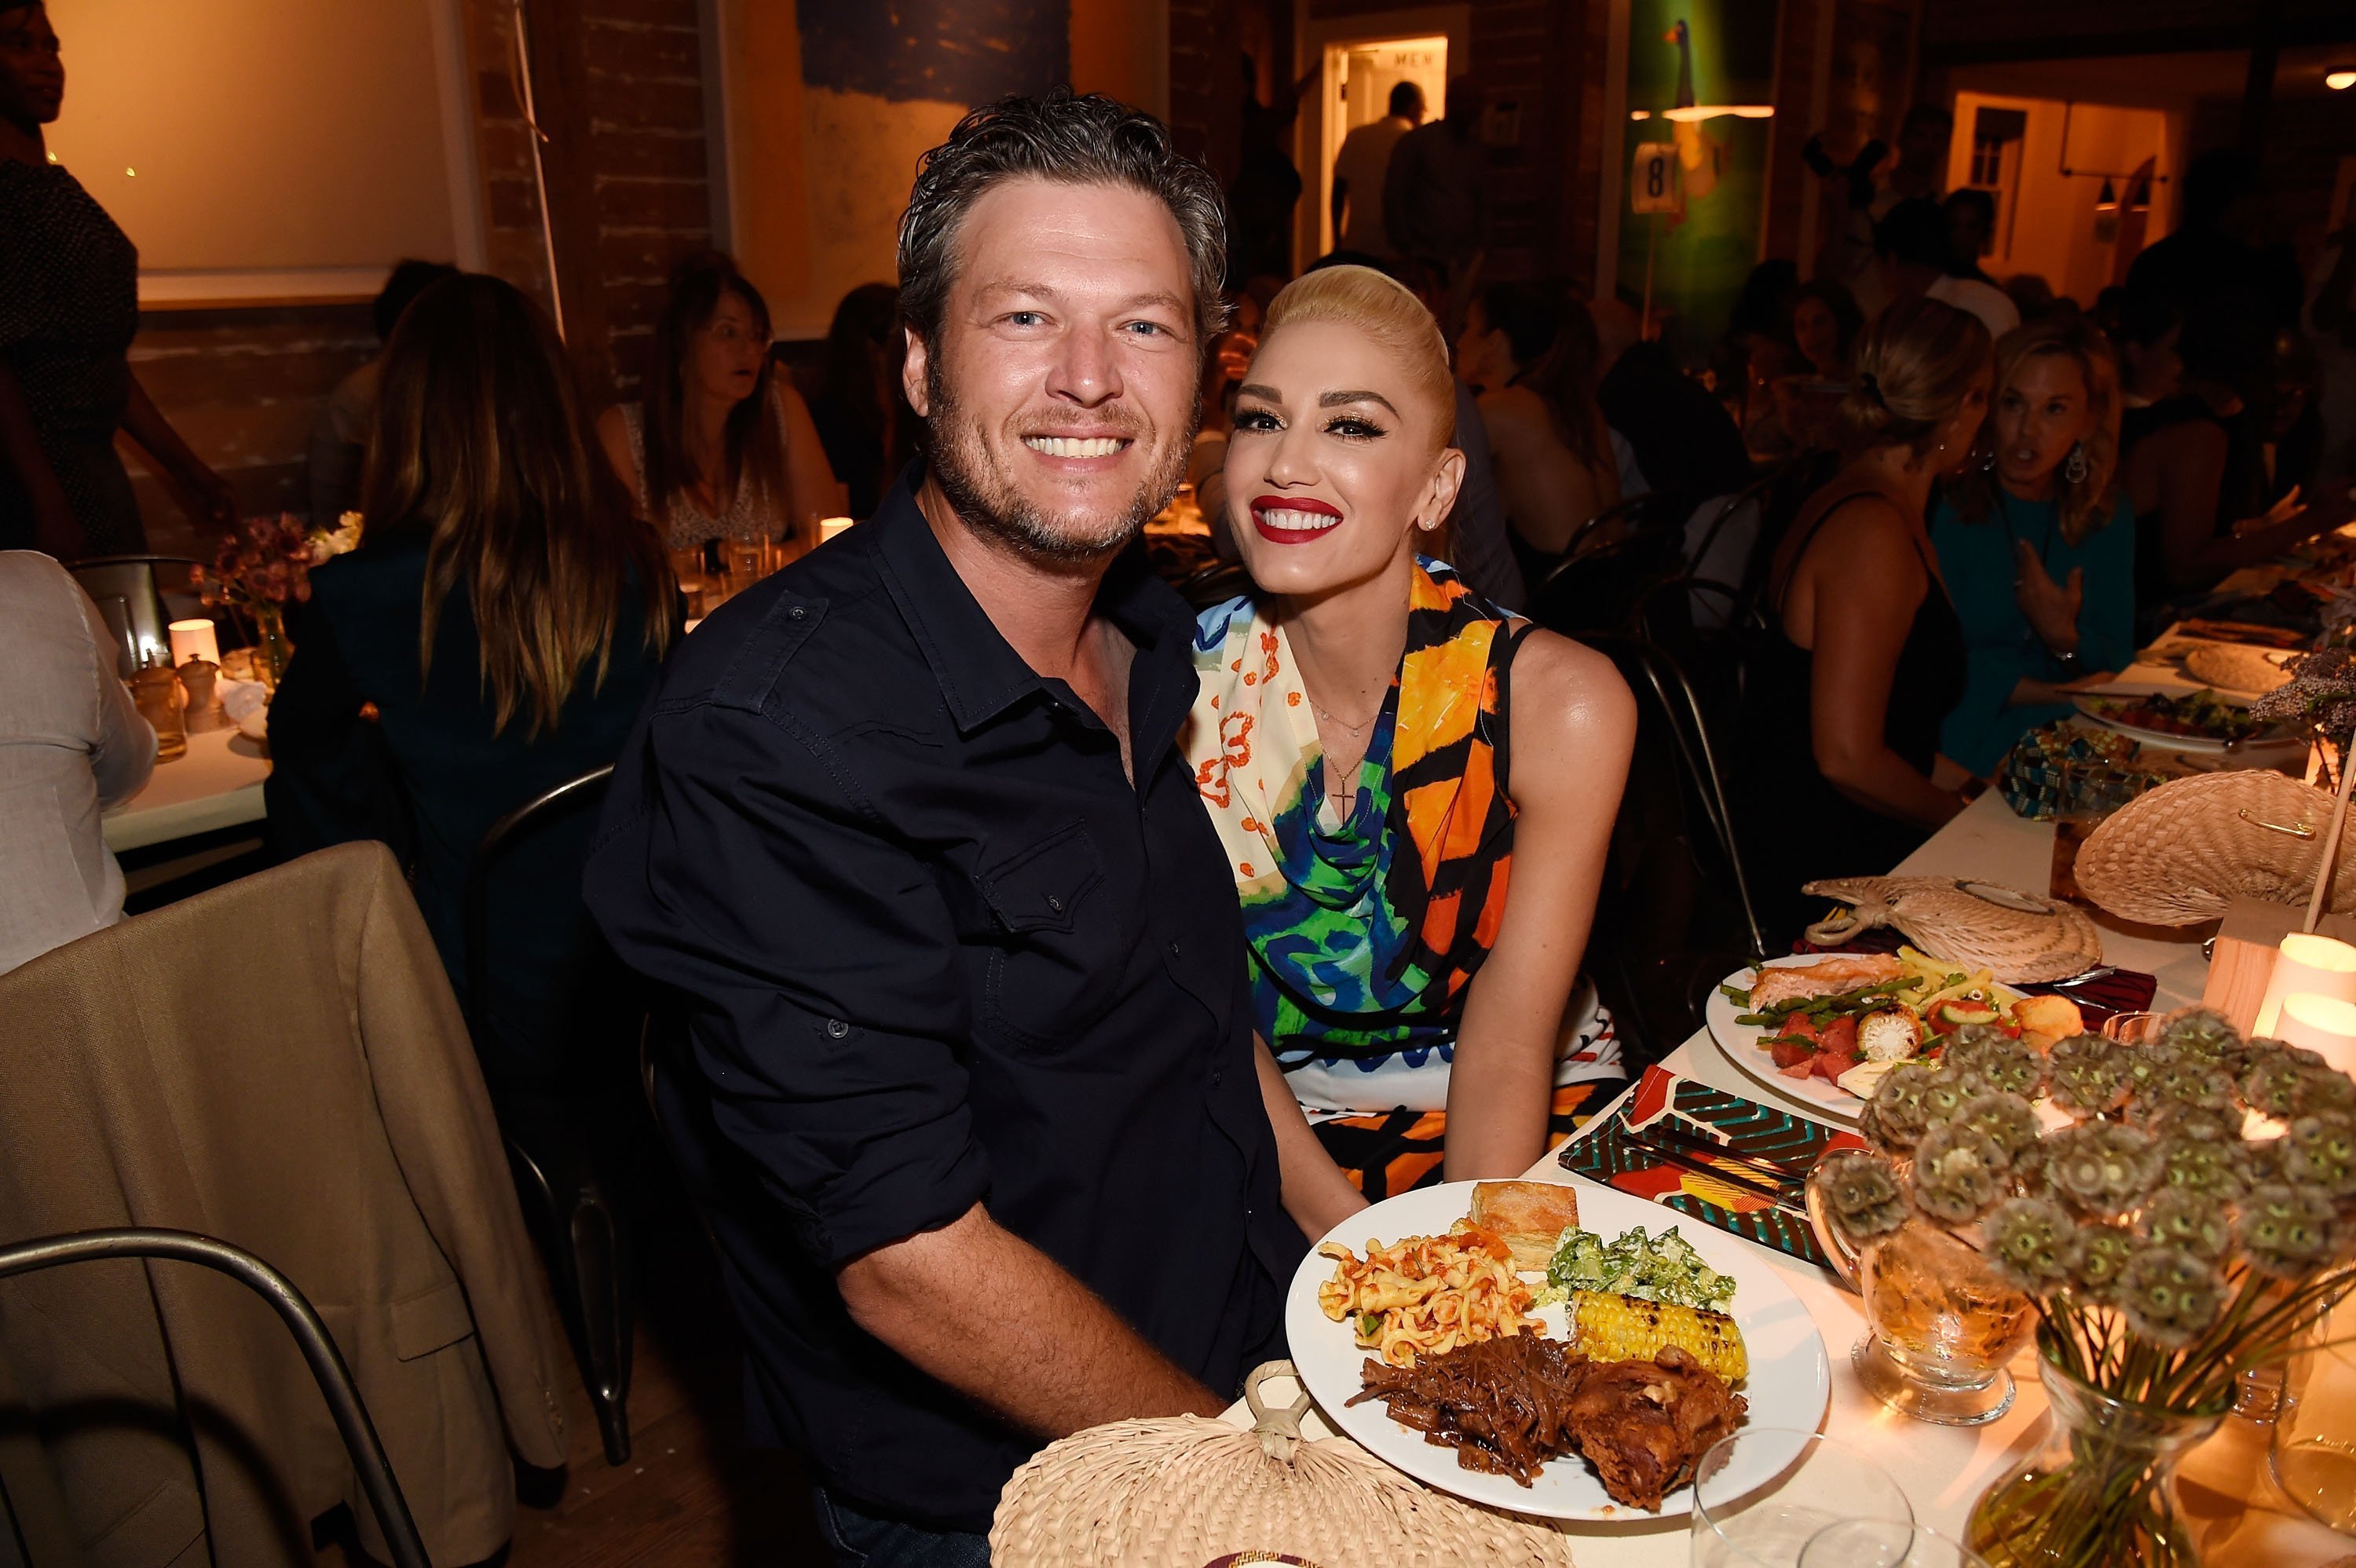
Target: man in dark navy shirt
[970,1096]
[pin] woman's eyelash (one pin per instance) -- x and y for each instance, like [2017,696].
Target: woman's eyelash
[1354,428]
[1255,419]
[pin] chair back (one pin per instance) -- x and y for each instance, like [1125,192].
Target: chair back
[579,794]
[327,1363]
[1670,708]
[128,594]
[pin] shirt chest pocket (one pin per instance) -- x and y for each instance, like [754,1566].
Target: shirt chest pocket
[1054,965]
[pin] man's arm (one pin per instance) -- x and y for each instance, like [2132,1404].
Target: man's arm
[832,1003]
[1060,1362]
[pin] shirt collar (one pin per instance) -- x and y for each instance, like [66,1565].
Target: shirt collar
[979,674]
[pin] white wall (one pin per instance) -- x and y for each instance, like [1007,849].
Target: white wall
[271,148]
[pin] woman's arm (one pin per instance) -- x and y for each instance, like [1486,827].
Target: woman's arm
[55,530]
[613,435]
[1573,725]
[1861,610]
[199,491]
[1547,491]
[1316,1194]
[809,477]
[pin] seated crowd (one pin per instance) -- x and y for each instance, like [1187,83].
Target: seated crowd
[1027,934]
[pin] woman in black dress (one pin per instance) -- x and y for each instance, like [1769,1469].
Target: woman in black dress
[68,307]
[1867,654]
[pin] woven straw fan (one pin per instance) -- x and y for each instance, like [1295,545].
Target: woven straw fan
[1181,1492]
[2179,854]
[2022,938]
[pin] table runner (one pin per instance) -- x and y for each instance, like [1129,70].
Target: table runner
[1604,1152]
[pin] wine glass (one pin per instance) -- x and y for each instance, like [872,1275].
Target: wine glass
[1886,1543]
[1738,1523]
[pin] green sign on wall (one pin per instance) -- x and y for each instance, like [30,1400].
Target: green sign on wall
[1691,65]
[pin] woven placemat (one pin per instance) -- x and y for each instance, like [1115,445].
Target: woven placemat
[2179,854]
[1184,1492]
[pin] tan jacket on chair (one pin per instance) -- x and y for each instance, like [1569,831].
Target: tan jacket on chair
[279,1063]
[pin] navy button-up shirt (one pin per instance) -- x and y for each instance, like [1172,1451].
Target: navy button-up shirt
[935,950]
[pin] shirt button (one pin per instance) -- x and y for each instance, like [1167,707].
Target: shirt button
[836,1029]
[1055,903]
[796,613]
[1174,950]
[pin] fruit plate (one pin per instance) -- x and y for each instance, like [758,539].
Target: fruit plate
[1789,1385]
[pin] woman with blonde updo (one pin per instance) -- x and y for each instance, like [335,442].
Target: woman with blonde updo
[1380,749]
[2037,546]
[1842,716]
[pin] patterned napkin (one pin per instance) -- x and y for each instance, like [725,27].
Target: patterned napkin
[1603,1152]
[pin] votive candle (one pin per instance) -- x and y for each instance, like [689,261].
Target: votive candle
[2325,1025]
[194,640]
[2316,966]
[830,527]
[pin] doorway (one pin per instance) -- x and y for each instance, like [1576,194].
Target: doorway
[2079,189]
[1361,60]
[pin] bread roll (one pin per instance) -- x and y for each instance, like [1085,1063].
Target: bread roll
[1527,1216]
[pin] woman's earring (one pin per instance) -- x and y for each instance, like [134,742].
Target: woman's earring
[1987,464]
[2073,469]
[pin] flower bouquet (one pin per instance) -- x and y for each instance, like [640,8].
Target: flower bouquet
[263,565]
[2177,1213]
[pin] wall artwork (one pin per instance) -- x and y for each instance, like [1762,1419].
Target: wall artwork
[1701,80]
[831,102]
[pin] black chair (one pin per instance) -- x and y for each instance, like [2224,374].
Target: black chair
[556,1153]
[125,589]
[1677,912]
[335,1379]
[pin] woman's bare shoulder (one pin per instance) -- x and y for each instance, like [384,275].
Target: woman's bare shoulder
[1571,707]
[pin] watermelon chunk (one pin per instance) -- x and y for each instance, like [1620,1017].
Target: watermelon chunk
[1829,1065]
[1839,1037]
[1790,1052]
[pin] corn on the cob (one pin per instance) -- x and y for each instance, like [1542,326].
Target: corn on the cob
[1607,1328]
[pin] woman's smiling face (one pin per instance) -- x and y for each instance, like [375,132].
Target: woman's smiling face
[1334,462]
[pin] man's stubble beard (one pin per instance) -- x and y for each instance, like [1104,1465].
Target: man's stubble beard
[991,505]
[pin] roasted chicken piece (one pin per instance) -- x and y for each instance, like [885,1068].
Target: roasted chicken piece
[1643,1424]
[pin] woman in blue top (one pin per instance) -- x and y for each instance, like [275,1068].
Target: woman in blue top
[2037,547]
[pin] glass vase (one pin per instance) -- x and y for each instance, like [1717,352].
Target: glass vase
[2100,1489]
[1940,1324]
[271,648]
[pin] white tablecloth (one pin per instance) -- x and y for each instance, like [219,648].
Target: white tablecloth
[2245,1520]
[217,785]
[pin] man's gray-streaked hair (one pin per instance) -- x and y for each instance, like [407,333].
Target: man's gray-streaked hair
[1070,139]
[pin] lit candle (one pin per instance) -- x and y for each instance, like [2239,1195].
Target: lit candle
[2325,1025]
[830,527]
[2315,965]
[194,640]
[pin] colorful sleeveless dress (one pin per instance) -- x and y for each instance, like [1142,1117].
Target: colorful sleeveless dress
[1365,931]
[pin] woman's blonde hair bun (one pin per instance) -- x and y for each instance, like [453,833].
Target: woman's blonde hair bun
[1385,310]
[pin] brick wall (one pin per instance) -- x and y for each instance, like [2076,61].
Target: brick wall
[243,385]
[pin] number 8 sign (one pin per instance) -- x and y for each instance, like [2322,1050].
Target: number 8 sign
[1652,182]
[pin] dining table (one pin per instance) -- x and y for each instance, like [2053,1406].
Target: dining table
[2242,1519]
[215,784]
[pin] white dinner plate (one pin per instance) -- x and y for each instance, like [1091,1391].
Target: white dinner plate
[1789,1385]
[1744,1045]
[2159,741]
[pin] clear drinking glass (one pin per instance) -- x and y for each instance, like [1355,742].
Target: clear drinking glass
[2314,1457]
[1886,1543]
[745,558]
[1737,1522]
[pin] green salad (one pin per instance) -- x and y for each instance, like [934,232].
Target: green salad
[1657,1269]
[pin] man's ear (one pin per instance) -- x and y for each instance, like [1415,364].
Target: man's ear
[912,372]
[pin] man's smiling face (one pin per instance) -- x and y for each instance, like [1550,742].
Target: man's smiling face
[1060,392]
